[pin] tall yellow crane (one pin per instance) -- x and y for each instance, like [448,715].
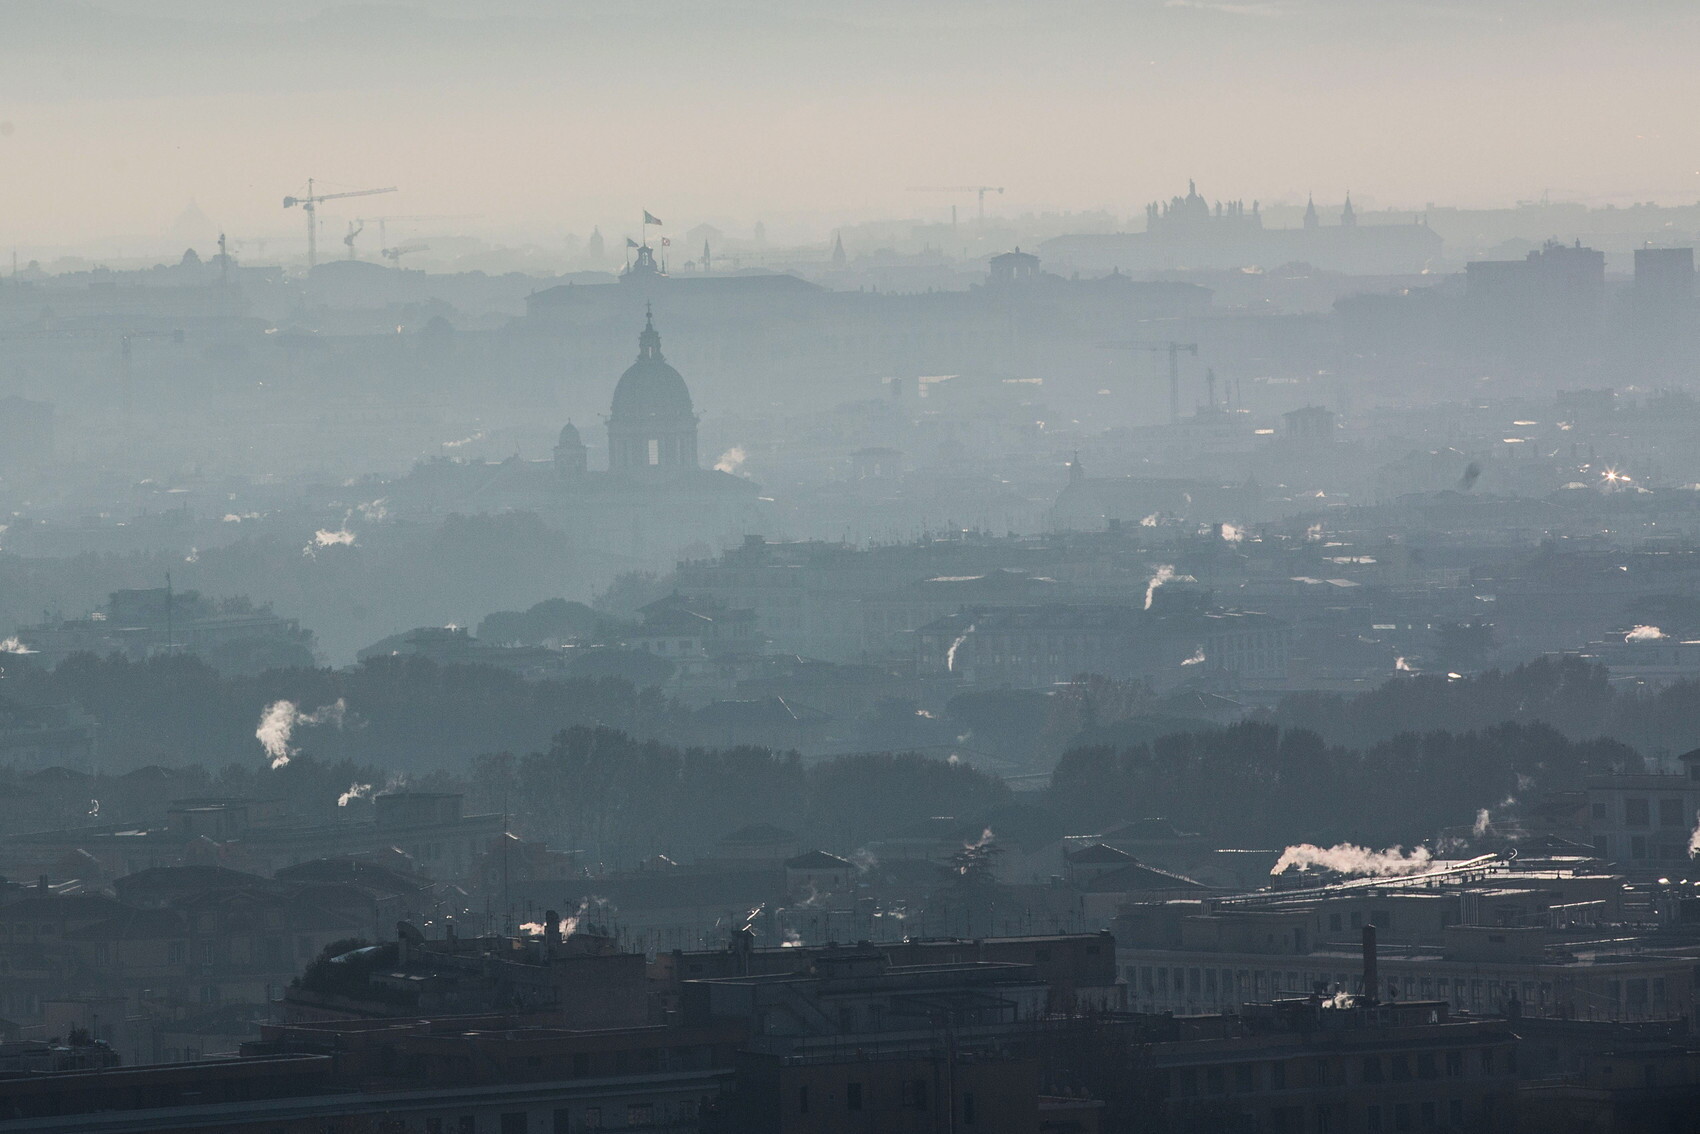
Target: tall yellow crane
[981,190]
[310,205]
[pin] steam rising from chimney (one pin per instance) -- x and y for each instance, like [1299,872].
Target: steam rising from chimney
[1347,858]
[950,654]
[1164,574]
[1644,634]
[731,460]
[281,718]
[354,792]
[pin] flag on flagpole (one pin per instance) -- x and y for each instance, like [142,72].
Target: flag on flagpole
[650,218]
[630,243]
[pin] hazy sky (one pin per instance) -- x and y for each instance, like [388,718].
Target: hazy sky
[547,117]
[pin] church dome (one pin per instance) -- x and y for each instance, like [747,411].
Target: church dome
[650,389]
[569,438]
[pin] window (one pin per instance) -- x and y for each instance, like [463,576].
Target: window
[1426,1068]
[852,1096]
[654,452]
[1636,813]
[468,1124]
[593,1118]
[514,1122]
[1401,1068]
[1372,1068]
[639,1114]
[1243,1080]
[1670,813]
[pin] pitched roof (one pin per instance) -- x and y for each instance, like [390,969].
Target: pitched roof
[1097,854]
[818,860]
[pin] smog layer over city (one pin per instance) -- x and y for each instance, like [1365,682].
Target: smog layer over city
[771,567]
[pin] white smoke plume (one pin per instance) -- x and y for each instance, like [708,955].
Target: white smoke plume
[864,859]
[238,517]
[1165,573]
[531,929]
[373,510]
[1314,532]
[354,792]
[793,940]
[194,555]
[94,808]
[1149,521]
[1644,634]
[1401,665]
[325,537]
[950,654]
[1197,657]
[986,836]
[1694,839]
[1233,533]
[280,720]
[14,645]
[1346,858]
[1483,823]
[479,436]
[731,460]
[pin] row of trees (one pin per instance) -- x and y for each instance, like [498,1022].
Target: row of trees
[1260,784]
[606,792]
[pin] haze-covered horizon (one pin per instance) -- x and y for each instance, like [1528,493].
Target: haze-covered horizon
[533,122]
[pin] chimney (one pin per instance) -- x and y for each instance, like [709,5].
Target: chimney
[1372,969]
[551,932]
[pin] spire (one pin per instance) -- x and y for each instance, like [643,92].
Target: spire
[838,250]
[1311,220]
[1347,216]
[1075,473]
[649,342]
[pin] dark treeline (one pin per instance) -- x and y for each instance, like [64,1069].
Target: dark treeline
[1569,694]
[1255,783]
[602,791]
[403,713]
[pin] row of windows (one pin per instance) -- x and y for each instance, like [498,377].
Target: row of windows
[1310,1074]
[568,1120]
[1638,812]
[1182,987]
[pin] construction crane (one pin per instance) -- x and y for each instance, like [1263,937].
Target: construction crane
[355,228]
[1174,350]
[394,255]
[383,235]
[310,205]
[982,190]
